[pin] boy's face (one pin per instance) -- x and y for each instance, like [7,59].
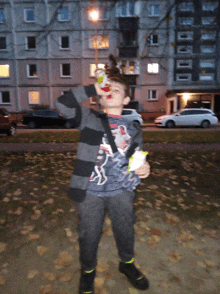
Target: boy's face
[115,100]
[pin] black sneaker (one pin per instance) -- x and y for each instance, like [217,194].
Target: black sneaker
[87,282]
[135,277]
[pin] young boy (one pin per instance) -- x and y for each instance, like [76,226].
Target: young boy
[94,185]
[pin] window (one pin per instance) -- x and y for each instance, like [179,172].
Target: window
[206,77]
[185,21]
[34,97]
[129,67]
[185,36]
[63,14]
[152,95]
[153,68]
[209,6]
[208,20]
[64,42]
[2,15]
[125,9]
[185,7]
[184,49]
[4,70]
[29,15]
[207,49]
[65,70]
[3,43]
[31,43]
[184,63]
[153,39]
[207,63]
[183,77]
[93,68]
[4,97]
[208,35]
[153,10]
[32,70]
[100,40]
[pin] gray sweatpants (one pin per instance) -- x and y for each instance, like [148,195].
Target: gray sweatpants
[91,218]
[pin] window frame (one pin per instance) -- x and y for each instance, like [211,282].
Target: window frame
[190,33]
[2,16]
[151,39]
[206,75]
[28,71]
[152,13]
[5,77]
[178,75]
[153,64]
[1,99]
[59,14]
[61,70]
[27,42]
[149,97]
[5,49]
[212,35]
[182,19]
[210,20]
[60,43]
[206,47]
[100,35]
[25,15]
[178,61]
[212,61]
[184,4]
[215,5]
[187,52]
[129,12]
[30,91]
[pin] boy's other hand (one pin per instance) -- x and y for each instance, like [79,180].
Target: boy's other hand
[99,91]
[143,171]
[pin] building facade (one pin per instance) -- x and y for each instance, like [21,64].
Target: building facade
[48,47]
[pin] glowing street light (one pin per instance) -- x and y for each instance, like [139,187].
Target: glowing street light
[186,96]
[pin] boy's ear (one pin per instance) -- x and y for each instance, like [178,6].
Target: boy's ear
[126,100]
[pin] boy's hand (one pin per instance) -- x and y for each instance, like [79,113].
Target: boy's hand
[99,91]
[143,171]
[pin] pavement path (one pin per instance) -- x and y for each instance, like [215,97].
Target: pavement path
[61,147]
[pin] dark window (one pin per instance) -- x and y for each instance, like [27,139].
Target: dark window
[5,97]
[2,43]
[32,70]
[66,69]
[65,42]
[126,112]
[31,42]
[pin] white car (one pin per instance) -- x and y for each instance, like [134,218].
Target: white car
[132,115]
[188,117]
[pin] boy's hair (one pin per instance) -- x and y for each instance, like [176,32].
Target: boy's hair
[121,80]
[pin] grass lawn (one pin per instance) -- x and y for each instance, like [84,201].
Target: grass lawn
[190,137]
[35,184]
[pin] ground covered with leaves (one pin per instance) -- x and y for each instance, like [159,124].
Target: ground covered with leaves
[177,226]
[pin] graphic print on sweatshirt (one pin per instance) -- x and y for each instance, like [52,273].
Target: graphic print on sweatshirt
[102,171]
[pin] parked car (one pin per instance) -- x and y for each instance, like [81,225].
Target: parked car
[132,115]
[7,124]
[43,118]
[188,117]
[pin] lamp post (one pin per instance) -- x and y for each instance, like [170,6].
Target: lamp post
[94,14]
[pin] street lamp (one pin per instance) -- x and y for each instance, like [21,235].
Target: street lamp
[94,14]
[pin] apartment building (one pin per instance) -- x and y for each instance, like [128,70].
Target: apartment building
[47,47]
[195,80]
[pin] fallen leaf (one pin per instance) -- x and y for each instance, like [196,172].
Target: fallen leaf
[102,267]
[2,280]
[49,276]
[33,237]
[133,291]
[63,260]
[156,232]
[41,250]
[68,232]
[47,289]
[49,201]
[201,264]
[99,281]
[174,257]
[65,277]
[2,247]
[32,274]
[209,262]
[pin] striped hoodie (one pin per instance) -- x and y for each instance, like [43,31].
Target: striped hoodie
[88,121]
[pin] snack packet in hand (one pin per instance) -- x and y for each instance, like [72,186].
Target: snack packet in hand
[136,160]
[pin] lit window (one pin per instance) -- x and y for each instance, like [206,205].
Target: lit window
[102,12]
[153,10]
[208,20]
[64,42]
[125,9]
[209,6]
[207,77]
[4,97]
[183,77]
[100,40]
[4,70]
[2,15]
[34,97]
[153,68]
[65,70]
[185,36]
[129,67]
[31,43]
[93,68]
[184,63]
[29,15]
[32,70]
[153,39]
[152,95]
[3,43]
[207,49]
[207,63]
[63,14]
